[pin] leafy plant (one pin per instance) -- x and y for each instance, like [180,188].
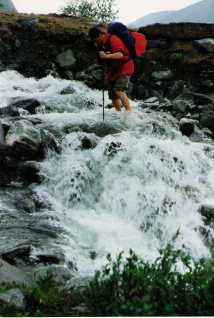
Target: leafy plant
[100,10]
[173,285]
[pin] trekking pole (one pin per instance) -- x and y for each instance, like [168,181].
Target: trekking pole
[103,94]
[103,103]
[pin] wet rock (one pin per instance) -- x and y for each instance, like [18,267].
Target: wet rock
[69,75]
[88,143]
[204,45]
[67,91]
[139,91]
[13,297]
[10,111]
[2,135]
[201,99]
[180,105]
[176,89]
[28,172]
[187,126]
[18,255]
[207,85]
[60,274]
[152,102]
[25,202]
[207,120]
[25,139]
[162,75]
[113,148]
[28,142]
[28,104]
[50,259]
[66,59]
[207,211]
[93,75]
[48,141]
[10,274]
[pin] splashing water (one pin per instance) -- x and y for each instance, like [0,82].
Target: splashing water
[134,187]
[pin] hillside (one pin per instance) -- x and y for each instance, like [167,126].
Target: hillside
[201,12]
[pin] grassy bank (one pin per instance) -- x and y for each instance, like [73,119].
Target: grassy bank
[128,287]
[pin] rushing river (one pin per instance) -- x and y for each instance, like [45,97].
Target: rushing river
[137,185]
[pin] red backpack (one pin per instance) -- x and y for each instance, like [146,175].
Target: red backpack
[140,43]
[135,42]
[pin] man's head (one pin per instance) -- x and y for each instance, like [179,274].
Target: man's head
[98,31]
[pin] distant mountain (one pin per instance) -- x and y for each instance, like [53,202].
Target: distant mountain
[200,12]
[150,19]
[7,5]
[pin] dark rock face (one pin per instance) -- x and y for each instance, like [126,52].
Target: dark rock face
[176,89]
[201,99]
[207,120]
[25,144]
[10,110]
[207,211]
[187,126]
[29,142]
[28,104]
[20,254]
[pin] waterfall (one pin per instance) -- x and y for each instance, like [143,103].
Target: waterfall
[131,182]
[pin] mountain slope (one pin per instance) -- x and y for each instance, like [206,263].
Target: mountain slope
[7,5]
[150,18]
[200,12]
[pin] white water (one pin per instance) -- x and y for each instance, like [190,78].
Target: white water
[138,198]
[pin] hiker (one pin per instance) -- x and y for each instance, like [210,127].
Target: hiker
[118,62]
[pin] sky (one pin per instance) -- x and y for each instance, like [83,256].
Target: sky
[129,10]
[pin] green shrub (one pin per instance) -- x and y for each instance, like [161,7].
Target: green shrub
[176,57]
[99,10]
[138,288]
[173,285]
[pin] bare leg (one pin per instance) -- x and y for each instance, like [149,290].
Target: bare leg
[124,99]
[117,104]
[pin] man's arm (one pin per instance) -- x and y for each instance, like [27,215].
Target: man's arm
[110,56]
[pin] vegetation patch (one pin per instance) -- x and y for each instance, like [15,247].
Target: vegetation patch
[174,284]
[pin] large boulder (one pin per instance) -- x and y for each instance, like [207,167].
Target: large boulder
[10,111]
[180,105]
[66,59]
[28,141]
[25,139]
[13,297]
[10,274]
[29,104]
